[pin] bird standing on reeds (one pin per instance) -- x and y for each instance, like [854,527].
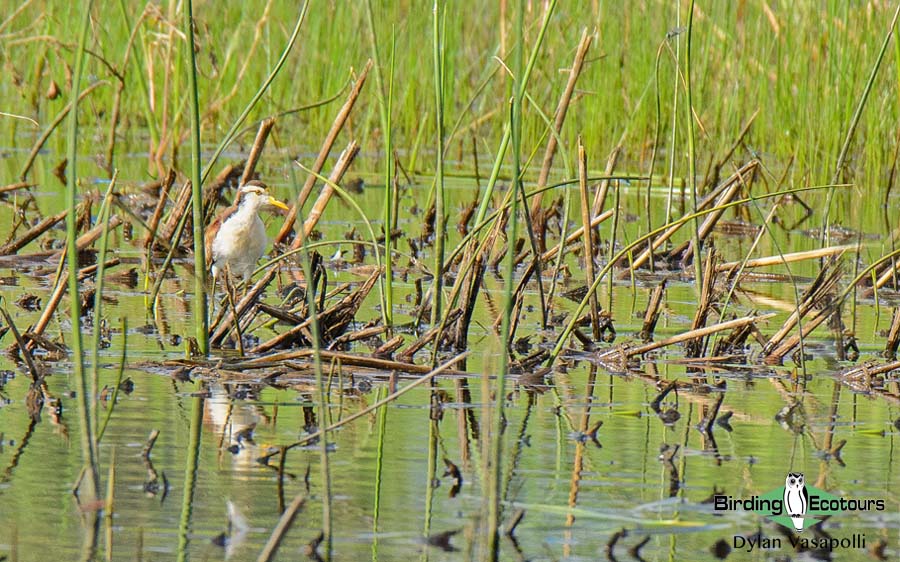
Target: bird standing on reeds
[236,239]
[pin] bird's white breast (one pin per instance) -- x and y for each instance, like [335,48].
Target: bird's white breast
[240,242]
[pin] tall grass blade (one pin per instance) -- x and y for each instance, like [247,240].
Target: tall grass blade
[86,407]
[439,201]
[200,313]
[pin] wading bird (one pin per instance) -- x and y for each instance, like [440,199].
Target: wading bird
[236,239]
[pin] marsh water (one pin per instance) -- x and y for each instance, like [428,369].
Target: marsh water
[393,497]
[598,460]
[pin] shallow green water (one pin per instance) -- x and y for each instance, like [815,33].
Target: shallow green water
[797,70]
[571,510]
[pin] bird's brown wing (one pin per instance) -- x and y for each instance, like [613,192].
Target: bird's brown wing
[211,231]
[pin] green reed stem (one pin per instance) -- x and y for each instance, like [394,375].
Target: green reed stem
[229,136]
[439,201]
[85,399]
[321,402]
[139,58]
[430,471]
[496,444]
[98,295]
[504,142]
[379,469]
[385,102]
[692,157]
[190,472]
[201,320]
[115,393]
[674,141]
[854,123]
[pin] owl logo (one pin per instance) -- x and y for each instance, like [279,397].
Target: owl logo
[796,498]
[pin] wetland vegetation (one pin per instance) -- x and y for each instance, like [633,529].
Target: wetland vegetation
[553,275]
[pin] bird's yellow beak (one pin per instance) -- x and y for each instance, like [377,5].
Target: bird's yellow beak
[276,203]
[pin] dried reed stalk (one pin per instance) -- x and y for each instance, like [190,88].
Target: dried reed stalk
[340,168]
[265,127]
[786,258]
[696,347]
[560,117]
[153,225]
[651,315]
[726,191]
[32,233]
[893,339]
[626,352]
[817,295]
[336,128]
[600,195]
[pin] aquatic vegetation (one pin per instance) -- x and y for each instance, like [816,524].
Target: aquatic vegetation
[586,354]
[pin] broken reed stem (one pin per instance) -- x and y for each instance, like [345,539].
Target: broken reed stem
[696,347]
[893,338]
[153,225]
[284,524]
[560,118]
[91,479]
[24,352]
[612,243]
[729,191]
[570,326]
[689,335]
[346,158]
[814,296]
[811,322]
[786,258]
[686,250]
[560,254]
[32,233]
[587,231]
[651,315]
[17,186]
[336,128]
[265,127]
[600,195]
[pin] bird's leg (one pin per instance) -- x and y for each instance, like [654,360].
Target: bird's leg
[236,322]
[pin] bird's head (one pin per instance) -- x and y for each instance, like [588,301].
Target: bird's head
[255,195]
